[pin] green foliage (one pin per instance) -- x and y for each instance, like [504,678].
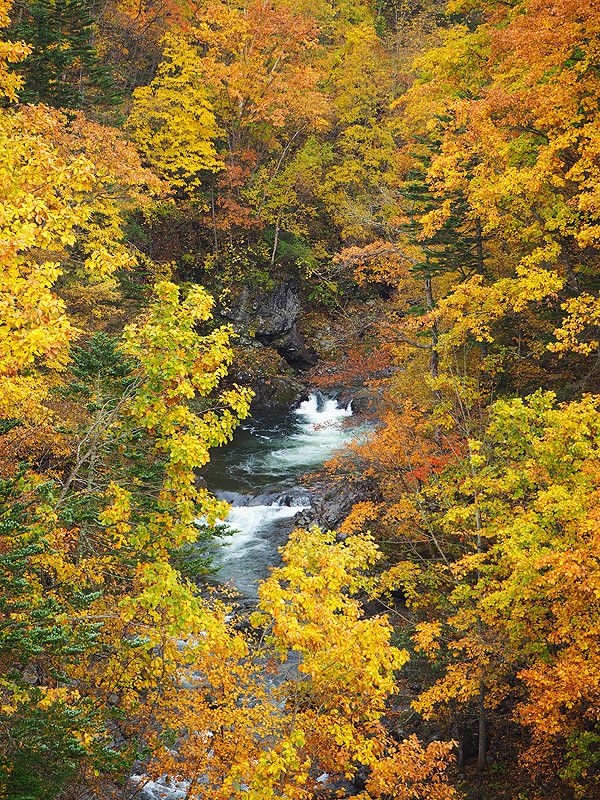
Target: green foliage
[195,560]
[63,69]
[98,366]
[40,746]
[583,757]
[242,261]
[292,250]
[454,244]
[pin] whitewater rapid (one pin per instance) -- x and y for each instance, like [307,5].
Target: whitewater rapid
[270,454]
[260,523]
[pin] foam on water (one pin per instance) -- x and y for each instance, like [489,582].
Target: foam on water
[162,789]
[320,433]
[316,431]
[317,409]
[247,522]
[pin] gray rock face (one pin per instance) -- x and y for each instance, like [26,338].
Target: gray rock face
[266,314]
[270,317]
[278,312]
[278,392]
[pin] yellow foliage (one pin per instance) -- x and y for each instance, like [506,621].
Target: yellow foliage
[59,180]
[172,121]
[10,53]
[239,738]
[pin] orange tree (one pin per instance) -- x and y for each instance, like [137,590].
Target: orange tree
[522,616]
[517,128]
[258,100]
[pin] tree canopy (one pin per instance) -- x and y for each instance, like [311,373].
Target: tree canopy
[426,178]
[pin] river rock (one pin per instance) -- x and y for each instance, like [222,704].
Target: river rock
[280,391]
[331,504]
[271,378]
[290,497]
[365,400]
[233,498]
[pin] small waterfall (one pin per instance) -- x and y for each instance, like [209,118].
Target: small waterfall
[316,432]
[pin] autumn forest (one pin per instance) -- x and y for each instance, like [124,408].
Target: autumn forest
[413,187]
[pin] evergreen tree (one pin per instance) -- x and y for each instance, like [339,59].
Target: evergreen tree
[456,244]
[40,716]
[63,69]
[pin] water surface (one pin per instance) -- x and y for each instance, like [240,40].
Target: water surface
[259,472]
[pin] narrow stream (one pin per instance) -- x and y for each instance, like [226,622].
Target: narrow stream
[259,472]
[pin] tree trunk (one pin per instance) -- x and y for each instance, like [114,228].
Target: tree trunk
[481,721]
[214,223]
[435,358]
[275,241]
[480,264]
[482,731]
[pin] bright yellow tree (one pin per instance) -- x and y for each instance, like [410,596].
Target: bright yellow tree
[172,121]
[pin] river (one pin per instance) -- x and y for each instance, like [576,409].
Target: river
[259,474]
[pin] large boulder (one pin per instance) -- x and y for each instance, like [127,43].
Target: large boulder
[295,350]
[272,379]
[332,502]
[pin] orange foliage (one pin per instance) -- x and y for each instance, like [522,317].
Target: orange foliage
[131,33]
